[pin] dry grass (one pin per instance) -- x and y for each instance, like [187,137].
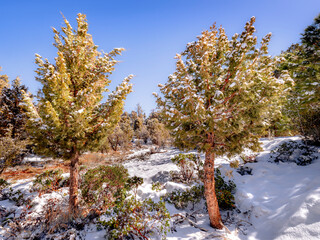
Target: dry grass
[93,159]
[26,171]
[89,160]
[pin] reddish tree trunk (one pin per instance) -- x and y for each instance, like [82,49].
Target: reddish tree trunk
[74,185]
[210,191]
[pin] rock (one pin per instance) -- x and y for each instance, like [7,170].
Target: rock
[161,177]
[244,170]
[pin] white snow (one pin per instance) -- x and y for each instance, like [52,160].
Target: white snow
[281,201]
[284,199]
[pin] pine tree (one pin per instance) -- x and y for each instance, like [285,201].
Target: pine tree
[13,135]
[158,133]
[303,64]
[218,98]
[125,124]
[4,81]
[122,134]
[70,118]
[139,124]
[13,116]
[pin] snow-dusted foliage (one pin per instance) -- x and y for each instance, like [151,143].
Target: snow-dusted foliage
[303,64]
[70,118]
[223,88]
[69,115]
[221,97]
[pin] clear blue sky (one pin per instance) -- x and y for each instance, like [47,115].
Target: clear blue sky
[151,31]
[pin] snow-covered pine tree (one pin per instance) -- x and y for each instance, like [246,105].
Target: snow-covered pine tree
[303,64]
[139,124]
[70,117]
[4,81]
[13,117]
[125,124]
[13,135]
[122,134]
[218,97]
[158,133]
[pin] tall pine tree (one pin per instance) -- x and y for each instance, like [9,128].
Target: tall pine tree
[12,115]
[70,117]
[4,82]
[218,98]
[13,135]
[303,64]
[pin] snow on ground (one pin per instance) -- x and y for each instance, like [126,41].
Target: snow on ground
[278,201]
[283,199]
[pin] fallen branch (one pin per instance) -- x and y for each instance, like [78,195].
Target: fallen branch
[193,224]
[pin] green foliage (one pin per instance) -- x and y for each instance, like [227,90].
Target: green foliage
[190,167]
[131,217]
[13,116]
[48,181]
[222,93]
[12,150]
[303,64]
[159,135]
[13,136]
[3,184]
[157,186]
[138,124]
[310,125]
[69,118]
[101,186]
[17,197]
[4,81]
[133,182]
[122,134]
[109,186]
[224,190]
[296,152]
[181,199]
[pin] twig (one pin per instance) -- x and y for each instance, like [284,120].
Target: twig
[225,227]
[193,224]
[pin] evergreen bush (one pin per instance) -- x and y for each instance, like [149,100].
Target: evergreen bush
[224,190]
[101,186]
[296,152]
[48,181]
[131,218]
[190,167]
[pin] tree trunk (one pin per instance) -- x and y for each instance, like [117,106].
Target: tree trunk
[74,184]
[210,192]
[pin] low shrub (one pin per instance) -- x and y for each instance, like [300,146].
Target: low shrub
[224,190]
[181,199]
[131,218]
[101,186]
[248,158]
[157,186]
[296,152]
[48,181]
[133,183]
[234,164]
[17,197]
[190,167]
[3,184]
